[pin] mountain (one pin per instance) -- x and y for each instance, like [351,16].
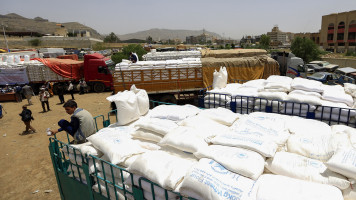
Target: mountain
[15,22]
[165,34]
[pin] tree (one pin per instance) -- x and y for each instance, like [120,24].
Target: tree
[125,53]
[35,42]
[111,38]
[149,40]
[265,41]
[306,49]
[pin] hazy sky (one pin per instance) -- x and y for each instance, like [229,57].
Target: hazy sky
[229,18]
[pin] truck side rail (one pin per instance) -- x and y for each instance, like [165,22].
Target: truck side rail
[327,114]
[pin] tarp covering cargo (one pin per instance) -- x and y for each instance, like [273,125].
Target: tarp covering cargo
[71,56]
[232,53]
[13,75]
[64,67]
[246,68]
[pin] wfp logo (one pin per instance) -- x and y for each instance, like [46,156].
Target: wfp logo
[241,155]
[216,167]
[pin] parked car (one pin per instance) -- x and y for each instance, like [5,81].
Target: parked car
[315,68]
[331,78]
[329,67]
[323,77]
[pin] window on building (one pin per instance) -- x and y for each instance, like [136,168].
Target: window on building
[330,36]
[331,26]
[341,44]
[340,36]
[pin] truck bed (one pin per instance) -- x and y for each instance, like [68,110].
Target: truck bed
[159,80]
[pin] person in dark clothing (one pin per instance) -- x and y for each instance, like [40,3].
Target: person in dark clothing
[133,57]
[18,90]
[26,117]
[60,92]
[82,86]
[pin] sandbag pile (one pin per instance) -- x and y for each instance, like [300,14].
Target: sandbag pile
[285,95]
[171,55]
[218,154]
[164,64]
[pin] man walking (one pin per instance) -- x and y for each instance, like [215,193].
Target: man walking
[80,127]
[28,93]
[60,92]
[44,95]
[70,89]
[26,117]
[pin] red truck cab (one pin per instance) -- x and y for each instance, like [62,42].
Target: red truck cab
[97,72]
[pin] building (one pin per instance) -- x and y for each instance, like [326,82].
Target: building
[61,31]
[315,37]
[277,37]
[338,32]
[203,38]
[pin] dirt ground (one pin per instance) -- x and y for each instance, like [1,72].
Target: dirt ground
[25,163]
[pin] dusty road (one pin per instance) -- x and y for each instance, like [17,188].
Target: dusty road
[25,163]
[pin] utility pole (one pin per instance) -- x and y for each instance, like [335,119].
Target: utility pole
[3,29]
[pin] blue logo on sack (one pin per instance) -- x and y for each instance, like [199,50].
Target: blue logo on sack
[315,164]
[241,155]
[218,168]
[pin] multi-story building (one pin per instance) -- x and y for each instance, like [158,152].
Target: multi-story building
[338,32]
[277,36]
[315,37]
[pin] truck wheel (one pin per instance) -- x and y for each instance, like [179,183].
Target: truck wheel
[99,87]
[168,98]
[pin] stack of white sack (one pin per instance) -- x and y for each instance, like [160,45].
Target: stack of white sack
[307,85]
[169,55]
[271,99]
[238,160]
[209,180]
[276,83]
[193,62]
[260,132]
[244,96]
[244,99]
[298,148]
[335,112]
[276,187]
[117,143]
[337,94]
[312,139]
[221,115]
[77,155]
[300,102]
[350,89]
[192,133]
[174,112]
[221,97]
[161,167]
[344,152]
[130,104]
[220,78]
[303,168]
[174,156]
[153,129]
[163,64]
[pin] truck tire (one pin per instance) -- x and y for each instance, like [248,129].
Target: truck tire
[98,87]
[168,98]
